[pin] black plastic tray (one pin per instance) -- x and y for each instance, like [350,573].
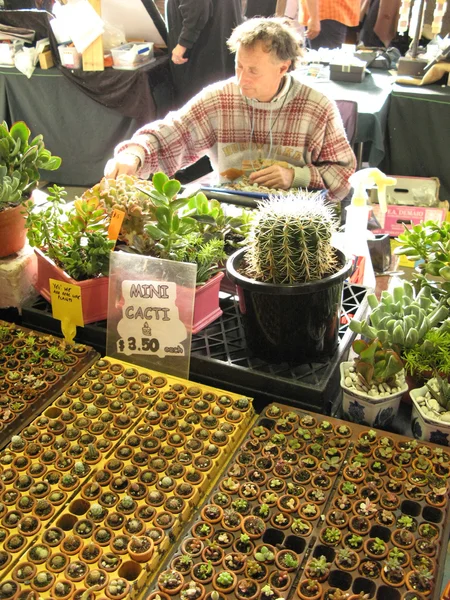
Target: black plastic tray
[220,356]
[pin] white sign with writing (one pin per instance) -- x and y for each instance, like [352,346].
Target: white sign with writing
[151,321]
[150,312]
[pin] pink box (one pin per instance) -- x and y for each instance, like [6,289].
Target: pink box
[392,221]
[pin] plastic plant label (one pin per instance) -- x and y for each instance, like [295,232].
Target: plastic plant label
[115,224]
[150,312]
[67,307]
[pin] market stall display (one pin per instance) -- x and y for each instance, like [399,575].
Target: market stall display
[95,489]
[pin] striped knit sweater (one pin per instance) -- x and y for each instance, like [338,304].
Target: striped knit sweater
[302,128]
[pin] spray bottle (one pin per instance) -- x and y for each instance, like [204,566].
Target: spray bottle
[356,233]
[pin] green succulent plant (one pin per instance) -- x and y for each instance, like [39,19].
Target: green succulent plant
[401,319]
[439,388]
[375,364]
[290,240]
[20,161]
[126,193]
[429,243]
[75,239]
[433,354]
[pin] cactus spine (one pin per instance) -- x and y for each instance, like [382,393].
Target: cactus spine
[290,240]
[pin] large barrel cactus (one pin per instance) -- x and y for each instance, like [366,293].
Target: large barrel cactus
[290,240]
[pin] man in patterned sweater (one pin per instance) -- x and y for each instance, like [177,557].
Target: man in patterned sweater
[262,123]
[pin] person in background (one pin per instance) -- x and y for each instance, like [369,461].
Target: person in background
[260,8]
[197,34]
[379,22]
[263,123]
[327,21]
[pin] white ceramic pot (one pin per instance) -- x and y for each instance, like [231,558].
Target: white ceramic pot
[425,426]
[359,407]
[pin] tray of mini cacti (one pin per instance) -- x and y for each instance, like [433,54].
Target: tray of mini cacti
[246,522]
[128,453]
[252,534]
[34,369]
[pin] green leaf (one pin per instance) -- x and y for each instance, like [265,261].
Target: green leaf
[20,131]
[154,232]
[158,180]
[53,164]
[204,219]
[171,188]
[177,204]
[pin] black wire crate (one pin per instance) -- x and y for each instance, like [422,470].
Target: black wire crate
[220,356]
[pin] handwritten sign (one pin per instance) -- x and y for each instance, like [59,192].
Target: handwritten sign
[150,309]
[150,321]
[115,224]
[67,307]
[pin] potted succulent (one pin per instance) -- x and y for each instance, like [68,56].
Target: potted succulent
[431,411]
[20,161]
[428,243]
[73,246]
[372,384]
[289,269]
[178,234]
[401,319]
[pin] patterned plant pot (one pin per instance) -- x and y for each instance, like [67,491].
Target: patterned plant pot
[359,407]
[424,426]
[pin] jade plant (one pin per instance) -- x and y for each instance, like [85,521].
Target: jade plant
[290,240]
[429,243]
[179,236]
[20,161]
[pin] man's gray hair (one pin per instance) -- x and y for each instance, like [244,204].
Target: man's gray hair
[276,34]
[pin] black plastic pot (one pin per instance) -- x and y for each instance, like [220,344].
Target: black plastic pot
[296,323]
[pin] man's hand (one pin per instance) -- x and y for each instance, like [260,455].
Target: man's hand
[178,55]
[275,176]
[313,26]
[123,164]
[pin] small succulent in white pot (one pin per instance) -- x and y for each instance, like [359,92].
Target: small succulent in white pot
[431,411]
[373,384]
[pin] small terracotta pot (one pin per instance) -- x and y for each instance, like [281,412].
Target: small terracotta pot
[305,596]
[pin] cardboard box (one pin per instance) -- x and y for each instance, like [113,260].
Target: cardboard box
[355,73]
[70,58]
[46,60]
[396,216]
[411,191]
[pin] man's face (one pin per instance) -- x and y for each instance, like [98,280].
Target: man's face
[259,73]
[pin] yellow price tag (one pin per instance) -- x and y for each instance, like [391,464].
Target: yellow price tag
[116,224]
[67,307]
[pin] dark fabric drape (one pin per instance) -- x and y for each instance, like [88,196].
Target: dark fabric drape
[127,92]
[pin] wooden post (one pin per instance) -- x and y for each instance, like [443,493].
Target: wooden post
[93,55]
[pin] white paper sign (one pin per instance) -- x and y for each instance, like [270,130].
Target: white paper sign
[151,321]
[150,310]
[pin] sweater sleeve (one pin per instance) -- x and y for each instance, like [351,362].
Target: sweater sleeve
[195,14]
[333,160]
[175,142]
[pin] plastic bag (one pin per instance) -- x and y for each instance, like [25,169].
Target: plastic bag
[24,61]
[113,37]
